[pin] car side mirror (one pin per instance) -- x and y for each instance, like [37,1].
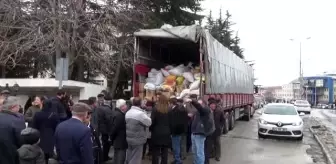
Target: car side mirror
[302,114]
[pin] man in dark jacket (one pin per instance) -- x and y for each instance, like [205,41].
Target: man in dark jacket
[213,141]
[100,97]
[104,122]
[73,138]
[97,148]
[201,127]
[118,132]
[93,104]
[178,120]
[11,122]
[58,106]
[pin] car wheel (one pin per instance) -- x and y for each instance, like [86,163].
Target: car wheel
[226,124]
[232,120]
[261,135]
[300,138]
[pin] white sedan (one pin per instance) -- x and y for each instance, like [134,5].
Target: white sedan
[282,120]
[302,106]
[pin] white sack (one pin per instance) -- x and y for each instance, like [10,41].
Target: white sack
[169,67]
[184,93]
[151,74]
[194,85]
[153,70]
[159,79]
[196,92]
[150,80]
[150,86]
[188,76]
[177,71]
[165,72]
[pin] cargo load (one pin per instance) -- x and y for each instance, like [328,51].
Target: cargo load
[178,51]
[184,60]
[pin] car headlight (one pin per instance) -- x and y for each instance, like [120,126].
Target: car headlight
[297,123]
[262,121]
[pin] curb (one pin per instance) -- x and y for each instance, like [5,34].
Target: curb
[324,149]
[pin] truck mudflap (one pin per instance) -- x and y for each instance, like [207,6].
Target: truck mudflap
[248,112]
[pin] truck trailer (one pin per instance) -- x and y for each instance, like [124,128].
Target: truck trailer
[226,76]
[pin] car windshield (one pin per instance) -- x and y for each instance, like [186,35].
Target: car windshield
[301,102]
[280,110]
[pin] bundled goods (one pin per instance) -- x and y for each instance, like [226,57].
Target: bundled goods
[180,81]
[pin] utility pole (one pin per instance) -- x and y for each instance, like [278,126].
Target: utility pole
[301,71]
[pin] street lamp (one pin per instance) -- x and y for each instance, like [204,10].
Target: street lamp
[300,72]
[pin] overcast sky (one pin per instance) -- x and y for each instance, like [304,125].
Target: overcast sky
[266,27]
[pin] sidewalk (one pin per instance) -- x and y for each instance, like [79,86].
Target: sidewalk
[330,112]
[325,133]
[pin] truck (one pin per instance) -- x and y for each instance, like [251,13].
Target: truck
[227,77]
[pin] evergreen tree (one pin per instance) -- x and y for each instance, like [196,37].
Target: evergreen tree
[174,12]
[221,29]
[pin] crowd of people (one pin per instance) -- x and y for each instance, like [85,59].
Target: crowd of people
[57,130]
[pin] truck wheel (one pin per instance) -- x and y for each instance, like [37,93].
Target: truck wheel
[252,113]
[232,120]
[248,114]
[226,124]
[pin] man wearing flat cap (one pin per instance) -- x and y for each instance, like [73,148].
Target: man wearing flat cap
[73,138]
[3,96]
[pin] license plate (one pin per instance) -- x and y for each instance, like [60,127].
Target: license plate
[279,129]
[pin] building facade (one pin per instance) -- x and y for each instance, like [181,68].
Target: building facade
[320,89]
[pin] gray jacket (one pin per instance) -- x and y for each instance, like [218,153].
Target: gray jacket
[31,154]
[137,122]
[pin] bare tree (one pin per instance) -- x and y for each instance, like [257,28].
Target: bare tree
[95,35]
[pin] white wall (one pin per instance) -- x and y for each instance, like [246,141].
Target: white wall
[85,90]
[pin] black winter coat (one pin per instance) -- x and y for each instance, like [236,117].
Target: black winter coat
[8,153]
[104,119]
[46,122]
[97,147]
[160,128]
[178,120]
[219,121]
[118,132]
[58,107]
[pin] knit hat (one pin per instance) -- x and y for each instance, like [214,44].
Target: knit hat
[212,101]
[30,136]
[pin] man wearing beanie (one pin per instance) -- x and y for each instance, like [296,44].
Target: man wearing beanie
[30,152]
[212,143]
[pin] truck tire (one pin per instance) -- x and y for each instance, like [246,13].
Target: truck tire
[252,113]
[226,124]
[247,116]
[232,120]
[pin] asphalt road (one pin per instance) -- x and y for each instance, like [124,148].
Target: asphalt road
[242,146]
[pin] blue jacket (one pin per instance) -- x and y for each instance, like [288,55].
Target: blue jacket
[73,143]
[11,125]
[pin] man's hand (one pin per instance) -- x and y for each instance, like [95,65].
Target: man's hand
[188,100]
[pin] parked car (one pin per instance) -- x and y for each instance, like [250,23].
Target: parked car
[302,106]
[281,120]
